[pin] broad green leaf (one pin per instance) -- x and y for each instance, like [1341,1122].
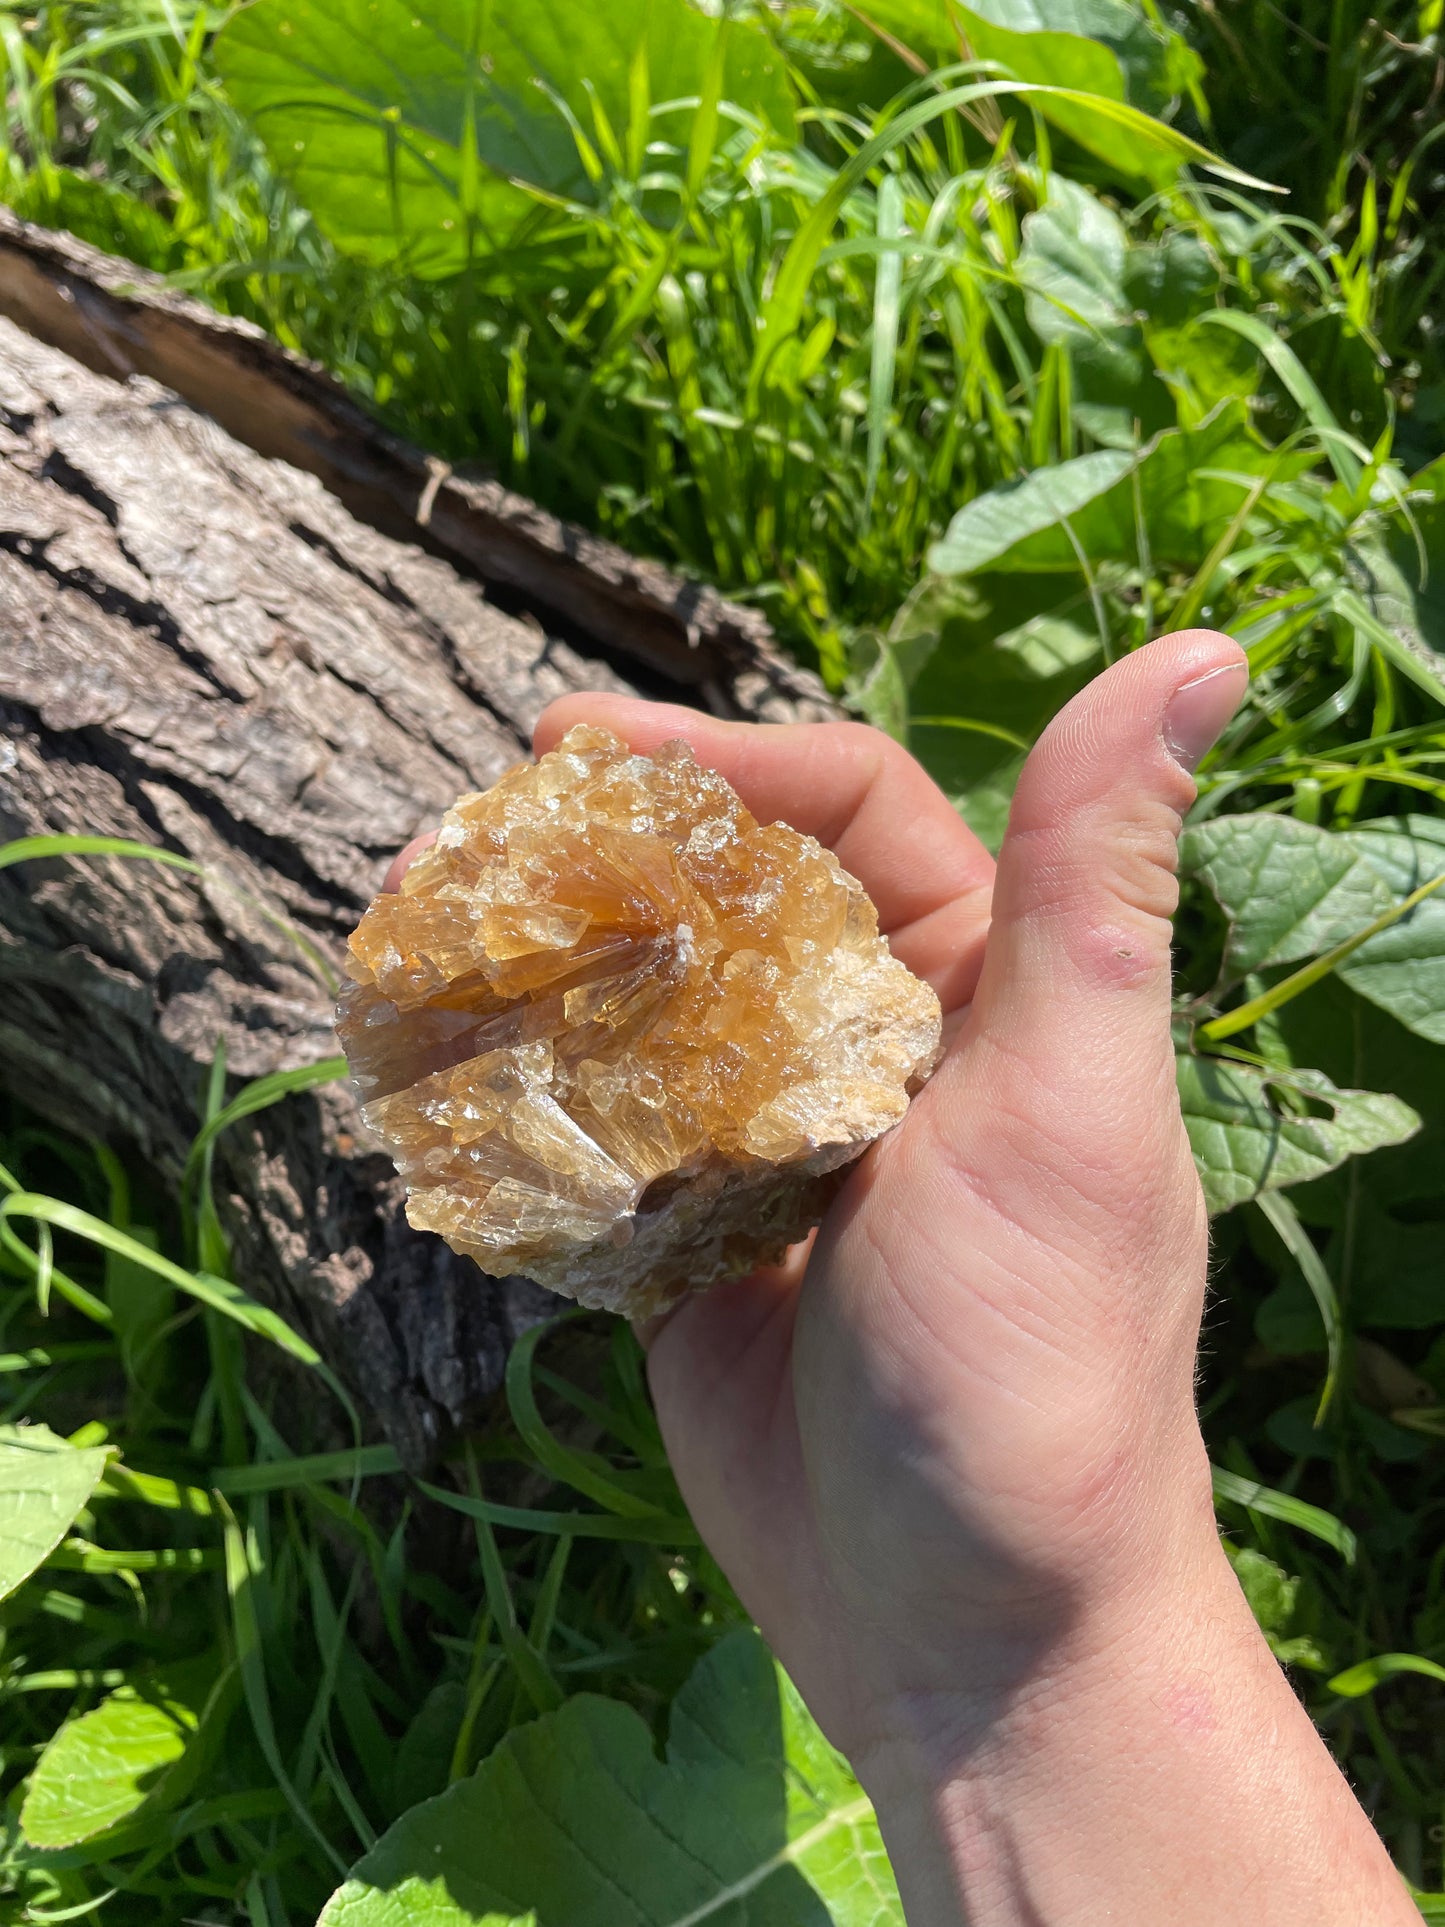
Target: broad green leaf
[1075,264]
[1403,592]
[1188,483]
[1169,283]
[574,1822]
[45,1484]
[1067,59]
[415,133]
[1400,1284]
[1112,41]
[1287,1322]
[1386,1229]
[991,529]
[99,1768]
[1170,287]
[1253,1131]
[1292,890]
[1072,264]
[1403,968]
[1289,889]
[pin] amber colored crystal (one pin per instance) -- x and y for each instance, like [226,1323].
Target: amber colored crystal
[620,1036]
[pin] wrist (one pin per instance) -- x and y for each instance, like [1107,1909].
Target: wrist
[1093,1640]
[1151,1766]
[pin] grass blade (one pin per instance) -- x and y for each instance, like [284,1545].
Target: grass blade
[885,332]
[216,1293]
[1231,1489]
[1300,1246]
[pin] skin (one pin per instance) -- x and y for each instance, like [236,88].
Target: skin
[949,1454]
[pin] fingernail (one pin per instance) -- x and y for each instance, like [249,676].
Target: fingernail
[1198,710]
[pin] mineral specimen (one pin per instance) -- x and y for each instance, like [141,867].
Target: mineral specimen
[620,1036]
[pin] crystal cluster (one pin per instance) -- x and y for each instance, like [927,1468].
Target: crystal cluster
[620,1036]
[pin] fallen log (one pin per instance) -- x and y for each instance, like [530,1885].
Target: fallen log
[202,648]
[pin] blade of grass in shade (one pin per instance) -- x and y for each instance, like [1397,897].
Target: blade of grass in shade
[588,1475]
[1232,1489]
[369,1461]
[653,1530]
[1345,455]
[259,1095]
[75,1295]
[482,1675]
[531,1669]
[75,1556]
[1300,1246]
[544,1610]
[329,1624]
[364,1729]
[243,1565]
[120,1482]
[1430,1419]
[216,1293]
[212,1251]
[44,1268]
[42,1357]
[607,1418]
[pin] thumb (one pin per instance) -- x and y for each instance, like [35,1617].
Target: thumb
[1072,1009]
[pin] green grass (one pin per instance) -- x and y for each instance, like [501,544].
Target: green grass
[328,1681]
[945,341]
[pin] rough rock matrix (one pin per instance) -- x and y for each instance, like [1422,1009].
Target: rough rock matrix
[621,1037]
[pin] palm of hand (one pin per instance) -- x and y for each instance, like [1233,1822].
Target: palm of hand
[948,1418]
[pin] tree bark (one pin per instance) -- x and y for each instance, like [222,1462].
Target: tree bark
[202,648]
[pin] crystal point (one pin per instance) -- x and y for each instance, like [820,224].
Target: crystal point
[621,1037]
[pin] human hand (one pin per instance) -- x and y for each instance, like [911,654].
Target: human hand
[970,1407]
[949,1455]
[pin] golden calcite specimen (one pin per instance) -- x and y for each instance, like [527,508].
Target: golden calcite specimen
[620,1036]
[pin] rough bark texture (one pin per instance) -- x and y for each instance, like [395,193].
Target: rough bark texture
[202,648]
[119,320]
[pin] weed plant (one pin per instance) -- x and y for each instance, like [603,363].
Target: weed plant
[1019,414]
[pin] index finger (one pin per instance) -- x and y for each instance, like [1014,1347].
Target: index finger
[855,790]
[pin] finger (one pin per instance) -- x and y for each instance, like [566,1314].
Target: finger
[1074,993]
[404,859]
[855,790]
